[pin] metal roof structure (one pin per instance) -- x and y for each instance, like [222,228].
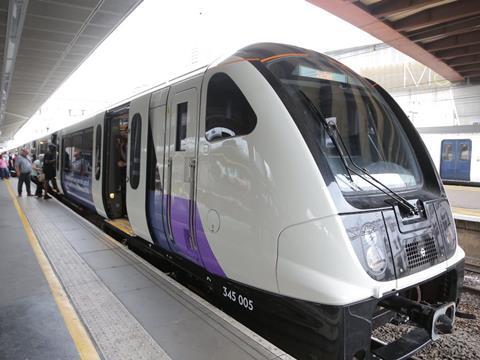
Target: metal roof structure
[41,43]
[442,34]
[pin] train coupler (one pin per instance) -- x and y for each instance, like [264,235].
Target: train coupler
[436,320]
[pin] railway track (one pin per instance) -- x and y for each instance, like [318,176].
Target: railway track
[472,264]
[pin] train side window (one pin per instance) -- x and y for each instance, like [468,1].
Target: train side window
[98,151]
[182,116]
[228,112]
[447,153]
[86,153]
[67,152]
[135,150]
[464,153]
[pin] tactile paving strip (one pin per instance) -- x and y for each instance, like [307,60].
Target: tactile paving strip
[117,334]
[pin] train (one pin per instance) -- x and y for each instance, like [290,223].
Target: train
[296,190]
[456,154]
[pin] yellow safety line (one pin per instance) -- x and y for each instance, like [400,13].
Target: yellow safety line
[77,331]
[464,211]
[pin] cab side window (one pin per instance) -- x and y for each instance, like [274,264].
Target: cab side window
[228,112]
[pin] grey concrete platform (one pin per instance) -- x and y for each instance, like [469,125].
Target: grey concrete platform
[130,309]
[31,326]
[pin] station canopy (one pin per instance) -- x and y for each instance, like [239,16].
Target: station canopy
[41,43]
[444,35]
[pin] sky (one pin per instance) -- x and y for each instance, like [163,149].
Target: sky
[164,39]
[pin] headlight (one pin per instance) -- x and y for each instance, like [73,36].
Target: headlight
[369,240]
[374,249]
[447,227]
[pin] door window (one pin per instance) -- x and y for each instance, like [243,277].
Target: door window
[447,154]
[182,115]
[98,150]
[66,150]
[135,150]
[464,152]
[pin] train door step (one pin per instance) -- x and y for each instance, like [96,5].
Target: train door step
[121,224]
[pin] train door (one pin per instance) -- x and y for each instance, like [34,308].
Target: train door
[463,155]
[97,178]
[447,162]
[455,159]
[114,174]
[156,170]
[136,165]
[181,169]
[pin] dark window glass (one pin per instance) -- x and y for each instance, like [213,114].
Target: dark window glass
[228,111]
[324,91]
[464,152]
[77,140]
[98,151]
[447,152]
[77,153]
[135,150]
[182,115]
[86,152]
[66,151]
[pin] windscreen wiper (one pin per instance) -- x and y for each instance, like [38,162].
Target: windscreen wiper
[332,131]
[324,123]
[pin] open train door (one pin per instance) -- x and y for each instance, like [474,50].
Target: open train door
[137,166]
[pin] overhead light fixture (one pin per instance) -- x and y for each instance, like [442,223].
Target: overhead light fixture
[16,16]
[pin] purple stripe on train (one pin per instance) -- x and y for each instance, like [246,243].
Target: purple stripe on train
[203,256]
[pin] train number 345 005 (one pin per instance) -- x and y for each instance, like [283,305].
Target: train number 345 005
[238,298]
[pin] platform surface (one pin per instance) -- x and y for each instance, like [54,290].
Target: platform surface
[465,202]
[130,309]
[31,326]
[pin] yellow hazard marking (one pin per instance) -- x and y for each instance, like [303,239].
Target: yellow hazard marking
[122,224]
[75,327]
[463,211]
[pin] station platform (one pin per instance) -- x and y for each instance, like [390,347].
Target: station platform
[69,291]
[465,202]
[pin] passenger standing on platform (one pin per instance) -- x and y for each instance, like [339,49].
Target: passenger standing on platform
[23,167]
[49,164]
[37,174]
[4,173]
[11,163]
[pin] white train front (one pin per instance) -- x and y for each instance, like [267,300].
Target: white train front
[297,190]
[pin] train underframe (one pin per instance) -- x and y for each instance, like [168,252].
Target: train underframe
[308,330]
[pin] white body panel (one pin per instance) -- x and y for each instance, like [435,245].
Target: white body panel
[258,184]
[316,262]
[136,197]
